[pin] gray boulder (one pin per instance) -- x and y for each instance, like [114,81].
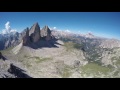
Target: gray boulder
[76,63]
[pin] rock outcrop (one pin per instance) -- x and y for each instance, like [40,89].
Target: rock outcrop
[0,55]
[46,33]
[25,36]
[34,33]
[9,40]
[109,43]
[18,72]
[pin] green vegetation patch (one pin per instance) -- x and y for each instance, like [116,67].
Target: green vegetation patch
[117,73]
[63,70]
[6,50]
[118,62]
[41,59]
[38,59]
[71,45]
[66,71]
[95,69]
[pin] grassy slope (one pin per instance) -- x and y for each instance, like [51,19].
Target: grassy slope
[91,69]
[94,68]
[6,50]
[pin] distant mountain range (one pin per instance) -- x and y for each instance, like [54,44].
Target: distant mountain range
[103,42]
[33,34]
[13,38]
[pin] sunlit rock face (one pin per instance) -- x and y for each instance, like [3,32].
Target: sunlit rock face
[34,33]
[46,33]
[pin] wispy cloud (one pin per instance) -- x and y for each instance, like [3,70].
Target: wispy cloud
[67,30]
[8,28]
[54,28]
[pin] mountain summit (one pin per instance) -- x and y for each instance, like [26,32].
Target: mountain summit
[46,33]
[28,36]
[89,35]
[34,33]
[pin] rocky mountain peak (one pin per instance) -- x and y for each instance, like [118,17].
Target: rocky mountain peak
[46,29]
[46,33]
[36,23]
[34,32]
[89,35]
[25,36]
[34,28]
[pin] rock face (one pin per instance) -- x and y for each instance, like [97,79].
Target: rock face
[109,43]
[0,55]
[46,33]
[11,40]
[7,43]
[1,45]
[18,72]
[25,36]
[34,33]
[76,63]
[89,35]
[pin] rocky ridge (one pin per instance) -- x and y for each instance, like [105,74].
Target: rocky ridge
[32,35]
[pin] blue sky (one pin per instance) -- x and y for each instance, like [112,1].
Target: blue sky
[106,24]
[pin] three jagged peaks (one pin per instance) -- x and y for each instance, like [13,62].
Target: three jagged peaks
[27,36]
[34,34]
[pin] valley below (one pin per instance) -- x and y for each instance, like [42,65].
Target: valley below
[63,61]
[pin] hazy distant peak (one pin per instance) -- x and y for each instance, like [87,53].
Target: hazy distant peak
[89,35]
[45,28]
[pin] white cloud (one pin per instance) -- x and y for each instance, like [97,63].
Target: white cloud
[89,32]
[67,30]
[8,28]
[54,28]
[4,31]
[13,30]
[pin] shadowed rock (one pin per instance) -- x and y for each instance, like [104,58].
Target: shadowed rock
[18,72]
[25,36]
[2,57]
[76,63]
